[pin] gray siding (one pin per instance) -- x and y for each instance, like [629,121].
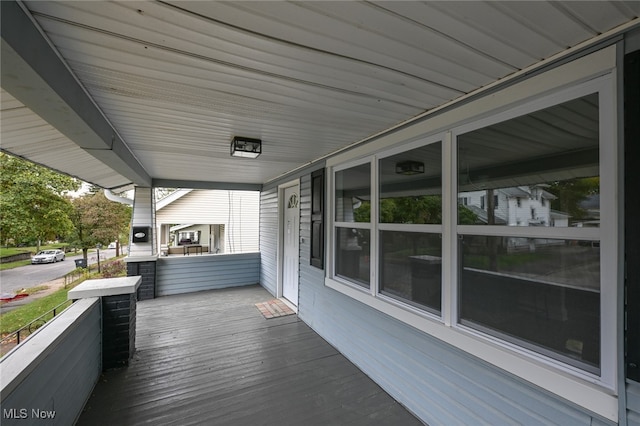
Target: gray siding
[62,378]
[440,384]
[269,239]
[308,273]
[187,274]
[633,403]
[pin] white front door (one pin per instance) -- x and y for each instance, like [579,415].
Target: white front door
[291,240]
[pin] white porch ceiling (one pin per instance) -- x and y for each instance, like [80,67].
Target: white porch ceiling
[177,80]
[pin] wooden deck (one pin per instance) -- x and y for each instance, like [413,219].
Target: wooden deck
[212,358]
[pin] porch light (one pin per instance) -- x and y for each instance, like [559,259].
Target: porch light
[245,147]
[409,168]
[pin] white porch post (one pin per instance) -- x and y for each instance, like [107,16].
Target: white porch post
[143,252]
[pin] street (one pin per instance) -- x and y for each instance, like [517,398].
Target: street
[12,280]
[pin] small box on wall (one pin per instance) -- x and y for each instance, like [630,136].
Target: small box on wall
[141,234]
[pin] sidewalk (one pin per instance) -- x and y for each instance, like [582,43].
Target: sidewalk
[52,286]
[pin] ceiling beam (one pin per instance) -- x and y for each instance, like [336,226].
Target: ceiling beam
[195,184]
[35,74]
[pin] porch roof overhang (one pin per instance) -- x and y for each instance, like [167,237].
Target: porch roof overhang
[151,93]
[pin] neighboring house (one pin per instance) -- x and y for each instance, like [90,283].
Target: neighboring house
[517,206]
[220,221]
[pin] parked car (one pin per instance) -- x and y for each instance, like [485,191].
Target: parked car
[112,245]
[48,256]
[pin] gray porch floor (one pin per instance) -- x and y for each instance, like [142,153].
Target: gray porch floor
[211,358]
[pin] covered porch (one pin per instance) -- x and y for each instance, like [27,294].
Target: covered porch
[212,358]
[340,100]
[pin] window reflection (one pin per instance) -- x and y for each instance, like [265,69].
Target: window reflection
[352,194]
[352,255]
[537,170]
[411,268]
[411,186]
[541,293]
[541,169]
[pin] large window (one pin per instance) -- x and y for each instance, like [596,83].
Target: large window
[410,214]
[493,235]
[352,218]
[539,292]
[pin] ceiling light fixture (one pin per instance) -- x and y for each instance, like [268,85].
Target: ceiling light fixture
[409,168]
[245,147]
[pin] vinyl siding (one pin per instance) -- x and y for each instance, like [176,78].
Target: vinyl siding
[441,384]
[63,379]
[236,210]
[269,239]
[188,274]
[308,274]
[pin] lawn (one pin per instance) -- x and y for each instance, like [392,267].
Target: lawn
[11,265]
[23,315]
[10,251]
[13,320]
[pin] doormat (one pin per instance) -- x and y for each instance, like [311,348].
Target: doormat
[274,308]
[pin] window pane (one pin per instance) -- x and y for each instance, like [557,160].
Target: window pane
[411,186]
[543,294]
[411,268]
[353,194]
[352,255]
[541,169]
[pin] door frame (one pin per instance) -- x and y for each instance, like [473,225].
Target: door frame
[281,227]
[631,295]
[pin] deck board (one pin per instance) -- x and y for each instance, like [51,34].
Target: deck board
[212,358]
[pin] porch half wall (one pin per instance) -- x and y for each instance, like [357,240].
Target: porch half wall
[440,384]
[188,274]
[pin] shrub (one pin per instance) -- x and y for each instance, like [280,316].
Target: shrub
[114,269]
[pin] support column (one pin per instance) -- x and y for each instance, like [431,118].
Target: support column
[146,270]
[118,298]
[143,254]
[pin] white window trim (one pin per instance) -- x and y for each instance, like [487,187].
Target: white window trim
[401,227]
[330,237]
[597,394]
[605,234]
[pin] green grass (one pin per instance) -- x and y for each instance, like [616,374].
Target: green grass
[23,315]
[9,251]
[11,265]
[19,317]
[36,289]
[4,251]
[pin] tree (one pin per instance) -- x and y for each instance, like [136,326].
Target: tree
[419,209]
[33,205]
[571,193]
[98,221]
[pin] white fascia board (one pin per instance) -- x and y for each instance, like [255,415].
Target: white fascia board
[171,198]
